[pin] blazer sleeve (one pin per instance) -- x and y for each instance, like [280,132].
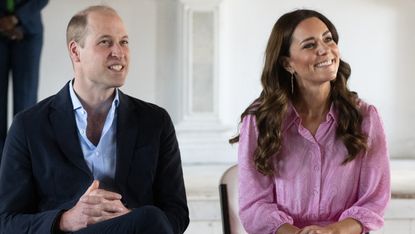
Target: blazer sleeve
[18,196]
[30,10]
[258,211]
[374,184]
[169,191]
[29,15]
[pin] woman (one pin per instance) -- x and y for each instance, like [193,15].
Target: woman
[312,155]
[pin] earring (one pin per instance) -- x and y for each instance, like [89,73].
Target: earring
[292,83]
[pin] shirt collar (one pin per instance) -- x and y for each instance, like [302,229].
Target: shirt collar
[292,116]
[77,104]
[332,113]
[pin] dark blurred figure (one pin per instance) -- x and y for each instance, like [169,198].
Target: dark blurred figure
[21,39]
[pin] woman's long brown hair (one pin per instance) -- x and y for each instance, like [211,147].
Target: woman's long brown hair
[271,106]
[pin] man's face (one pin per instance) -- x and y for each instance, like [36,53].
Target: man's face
[104,58]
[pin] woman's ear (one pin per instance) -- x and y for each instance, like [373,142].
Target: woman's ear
[285,62]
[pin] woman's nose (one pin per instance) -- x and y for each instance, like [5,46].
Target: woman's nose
[322,49]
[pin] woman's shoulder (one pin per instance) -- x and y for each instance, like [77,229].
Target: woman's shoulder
[366,109]
[249,119]
[371,117]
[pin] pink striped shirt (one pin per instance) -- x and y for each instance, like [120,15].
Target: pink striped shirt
[312,187]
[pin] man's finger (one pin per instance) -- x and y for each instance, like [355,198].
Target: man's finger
[92,211]
[93,220]
[98,203]
[92,187]
[112,207]
[108,195]
[91,200]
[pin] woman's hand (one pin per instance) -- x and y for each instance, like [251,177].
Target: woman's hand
[287,229]
[314,229]
[346,226]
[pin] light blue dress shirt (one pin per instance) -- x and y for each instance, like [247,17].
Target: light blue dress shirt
[101,159]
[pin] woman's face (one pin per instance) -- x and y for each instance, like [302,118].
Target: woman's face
[314,55]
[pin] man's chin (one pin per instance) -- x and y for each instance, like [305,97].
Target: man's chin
[118,83]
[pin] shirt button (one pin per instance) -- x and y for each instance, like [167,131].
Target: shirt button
[316,168]
[316,192]
[96,153]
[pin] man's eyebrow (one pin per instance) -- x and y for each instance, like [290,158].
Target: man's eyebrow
[109,36]
[104,36]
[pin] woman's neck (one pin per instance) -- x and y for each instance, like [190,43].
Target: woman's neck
[313,105]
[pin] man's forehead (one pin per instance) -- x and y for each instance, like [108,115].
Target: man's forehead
[105,24]
[96,17]
[103,12]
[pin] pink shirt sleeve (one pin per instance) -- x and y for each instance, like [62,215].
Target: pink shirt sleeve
[265,205]
[374,185]
[259,211]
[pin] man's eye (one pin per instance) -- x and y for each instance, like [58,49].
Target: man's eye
[124,43]
[105,42]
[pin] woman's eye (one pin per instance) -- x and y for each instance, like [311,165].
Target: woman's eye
[309,46]
[328,39]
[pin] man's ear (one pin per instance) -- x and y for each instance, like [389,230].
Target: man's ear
[285,62]
[74,51]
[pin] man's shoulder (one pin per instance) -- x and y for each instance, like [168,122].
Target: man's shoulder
[39,108]
[133,103]
[60,100]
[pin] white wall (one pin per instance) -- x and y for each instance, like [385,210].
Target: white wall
[376,38]
[140,19]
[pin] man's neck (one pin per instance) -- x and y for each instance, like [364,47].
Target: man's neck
[94,99]
[97,103]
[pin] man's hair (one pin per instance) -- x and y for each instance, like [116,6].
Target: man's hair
[77,26]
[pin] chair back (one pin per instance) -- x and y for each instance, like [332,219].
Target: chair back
[228,190]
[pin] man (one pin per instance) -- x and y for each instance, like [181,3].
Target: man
[21,39]
[91,159]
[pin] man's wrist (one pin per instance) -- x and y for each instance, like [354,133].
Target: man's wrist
[56,224]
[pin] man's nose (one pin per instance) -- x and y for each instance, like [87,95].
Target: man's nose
[117,51]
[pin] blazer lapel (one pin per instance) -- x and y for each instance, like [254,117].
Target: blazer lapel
[127,133]
[63,123]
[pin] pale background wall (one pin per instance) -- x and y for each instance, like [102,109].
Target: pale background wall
[376,38]
[139,17]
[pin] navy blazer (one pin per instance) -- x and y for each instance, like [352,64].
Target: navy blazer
[43,171]
[28,13]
